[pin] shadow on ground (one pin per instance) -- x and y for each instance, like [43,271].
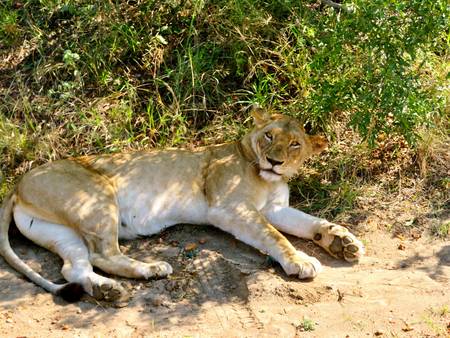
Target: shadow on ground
[434,271]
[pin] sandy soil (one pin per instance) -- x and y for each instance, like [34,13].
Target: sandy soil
[224,288]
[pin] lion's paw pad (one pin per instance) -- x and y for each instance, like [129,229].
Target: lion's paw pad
[340,242]
[108,291]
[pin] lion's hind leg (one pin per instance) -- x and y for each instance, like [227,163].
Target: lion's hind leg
[105,255]
[65,242]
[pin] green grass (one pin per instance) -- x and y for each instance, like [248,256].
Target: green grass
[83,77]
[307,324]
[441,230]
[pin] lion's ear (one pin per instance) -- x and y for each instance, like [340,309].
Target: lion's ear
[260,115]
[318,143]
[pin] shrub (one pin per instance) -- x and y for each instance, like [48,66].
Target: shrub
[173,66]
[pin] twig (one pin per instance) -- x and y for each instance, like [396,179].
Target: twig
[337,5]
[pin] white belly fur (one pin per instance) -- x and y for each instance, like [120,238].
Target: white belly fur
[146,210]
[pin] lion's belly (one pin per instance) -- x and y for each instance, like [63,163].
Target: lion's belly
[148,211]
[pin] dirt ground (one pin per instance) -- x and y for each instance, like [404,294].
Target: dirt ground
[223,288]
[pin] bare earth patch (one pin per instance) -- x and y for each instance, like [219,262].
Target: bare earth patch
[223,288]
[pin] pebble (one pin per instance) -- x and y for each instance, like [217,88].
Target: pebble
[171,252]
[379,333]
[155,300]
[120,304]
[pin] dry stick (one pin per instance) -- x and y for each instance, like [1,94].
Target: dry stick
[336,5]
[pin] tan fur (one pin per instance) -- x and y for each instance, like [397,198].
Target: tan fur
[236,187]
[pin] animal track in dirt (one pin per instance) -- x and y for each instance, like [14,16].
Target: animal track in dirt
[226,288]
[224,283]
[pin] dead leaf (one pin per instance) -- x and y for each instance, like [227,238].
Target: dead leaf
[400,237]
[190,246]
[407,328]
[416,235]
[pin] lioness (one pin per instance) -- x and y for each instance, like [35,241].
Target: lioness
[80,207]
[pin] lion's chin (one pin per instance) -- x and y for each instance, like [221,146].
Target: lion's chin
[270,175]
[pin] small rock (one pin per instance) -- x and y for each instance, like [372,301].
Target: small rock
[9,320]
[171,252]
[120,304]
[155,300]
[79,311]
[379,333]
[401,246]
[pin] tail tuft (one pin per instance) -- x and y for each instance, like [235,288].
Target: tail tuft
[71,292]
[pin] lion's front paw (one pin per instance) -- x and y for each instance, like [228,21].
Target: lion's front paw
[303,266]
[339,242]
[156,269]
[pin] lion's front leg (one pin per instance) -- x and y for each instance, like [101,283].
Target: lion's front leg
[335,239]
[252,228]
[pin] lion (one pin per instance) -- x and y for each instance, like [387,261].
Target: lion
[80,207]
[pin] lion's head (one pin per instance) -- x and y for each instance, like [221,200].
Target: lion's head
[279,145]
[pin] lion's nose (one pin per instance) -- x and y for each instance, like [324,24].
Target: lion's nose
[274,162]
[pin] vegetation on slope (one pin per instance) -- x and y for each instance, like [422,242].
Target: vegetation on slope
[89,76]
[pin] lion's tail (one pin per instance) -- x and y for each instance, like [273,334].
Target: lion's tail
[71,292]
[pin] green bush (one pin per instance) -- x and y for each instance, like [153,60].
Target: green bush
[175,65]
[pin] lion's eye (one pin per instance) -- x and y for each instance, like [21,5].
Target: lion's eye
[268,136]
[295,144]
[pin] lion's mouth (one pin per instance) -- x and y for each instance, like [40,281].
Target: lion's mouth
[271,172]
